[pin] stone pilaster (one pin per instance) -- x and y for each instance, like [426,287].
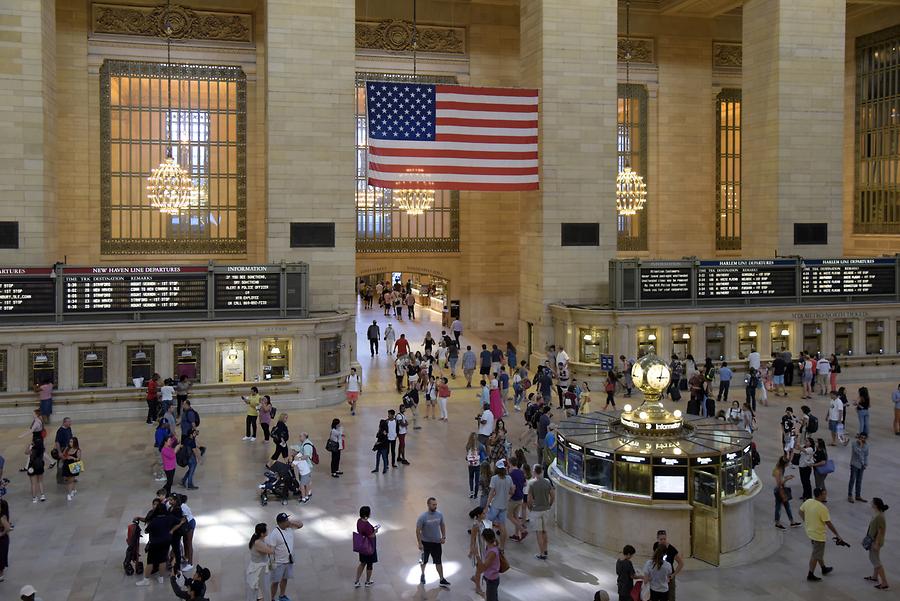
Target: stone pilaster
[792,123]
[568,51]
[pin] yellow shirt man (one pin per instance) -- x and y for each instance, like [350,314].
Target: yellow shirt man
[252,404]
[815,514]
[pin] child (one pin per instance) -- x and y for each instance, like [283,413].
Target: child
[625,574]
[584,401]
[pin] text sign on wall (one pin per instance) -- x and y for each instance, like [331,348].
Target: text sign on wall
[837,277]
[134,289]
[248,287]
[740,279]
[26,290]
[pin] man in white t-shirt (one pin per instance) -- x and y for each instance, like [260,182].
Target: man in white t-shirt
[282,539]
[823,367]
[354,387]
[303,463]
[835,416]
[167,394]
[392,435]
[485,423]
[754,360]
[562,357]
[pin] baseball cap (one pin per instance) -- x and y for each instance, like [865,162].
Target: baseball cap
[501,464]
[282,517]
[27,590]
[204,573]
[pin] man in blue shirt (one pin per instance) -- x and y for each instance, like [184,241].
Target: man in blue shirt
[503,380]
[725,375]
[468,364]
[485,356]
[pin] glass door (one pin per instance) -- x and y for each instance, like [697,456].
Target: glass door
[705,543]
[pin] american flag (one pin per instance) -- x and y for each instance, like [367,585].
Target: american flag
[446,137]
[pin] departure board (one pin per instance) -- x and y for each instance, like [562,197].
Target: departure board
[26,290]
[849,277]
[747,279]
[248,288]
[134,289]
[665,283]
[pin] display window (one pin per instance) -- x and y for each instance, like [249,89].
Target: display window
[780,334]
[843,338]
[812,338]
[748,339]
[330,356]
[647,341]
[715,342]
[681,342]
[276,359]
[593,343]
[232,355]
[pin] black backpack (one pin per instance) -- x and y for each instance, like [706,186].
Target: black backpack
[183,456]
[812,425]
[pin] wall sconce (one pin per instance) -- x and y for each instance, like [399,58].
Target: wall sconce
[879,328]
[588,337]
[686,336]
[785,332]
[187,353]
[752,333]
[720,334]
[849,329]
[651,337]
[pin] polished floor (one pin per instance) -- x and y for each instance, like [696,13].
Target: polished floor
[73,550]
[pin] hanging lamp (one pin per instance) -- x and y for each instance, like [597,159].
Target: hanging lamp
[414,201]
[169,187]
[631,191]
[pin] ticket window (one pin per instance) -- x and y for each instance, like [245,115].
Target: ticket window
[141,364]
[3,363]
[681,342]
[330,356]
[781,337]
[187,361]
[92,367]
[748,335]
[232,360]
[812,337]
[715,342]
[43,367]
[875,337]
[594,342]
[634,478]
[276,359]
[647,339]
[843,338]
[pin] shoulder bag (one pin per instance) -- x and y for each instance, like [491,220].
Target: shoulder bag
[504,564]
[867,542]
[362,544]
[825,468]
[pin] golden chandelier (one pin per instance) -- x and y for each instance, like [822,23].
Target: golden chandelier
[169,187]
[631,192]
[414,202]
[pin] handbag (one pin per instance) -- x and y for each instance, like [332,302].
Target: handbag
[826,468]
[331,446]
[645,591]
[362,544]
[867,542]
[504,565]
[786,494]
[636,590]
[76,467]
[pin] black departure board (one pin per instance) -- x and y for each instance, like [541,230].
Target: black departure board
[134,289]
[665,283]
[26,290]
[248,288]
[747,279]
[849,277]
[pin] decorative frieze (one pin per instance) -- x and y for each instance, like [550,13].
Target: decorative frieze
[640,50]
[727,55]
[176,22]
[396,35]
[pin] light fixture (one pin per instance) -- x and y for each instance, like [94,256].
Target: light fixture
[588,337]
[752,333]
[818,331]
[631,191]
[275,350]
[627,408]
[92,356]
[686,336]
[677,413]
[785,332]
[651,337]
[879,328]
[169,187]
[643,415]
[849,329]
[187,353]
[720,334]
[42,358]
[676,450]
[140,355]
[369,198]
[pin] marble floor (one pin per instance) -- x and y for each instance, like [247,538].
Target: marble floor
[73,550]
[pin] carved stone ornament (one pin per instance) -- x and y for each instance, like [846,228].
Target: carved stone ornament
[727,55]
[176,22]
[396,35]
[641,50]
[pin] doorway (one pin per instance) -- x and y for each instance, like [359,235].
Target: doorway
[705,522]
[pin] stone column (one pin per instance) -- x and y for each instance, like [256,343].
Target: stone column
[568,52]
[792,123]
[27,146]
[310,55]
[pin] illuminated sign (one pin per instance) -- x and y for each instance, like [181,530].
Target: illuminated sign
[599,453]
[703,460]
[632,459]
[574,446]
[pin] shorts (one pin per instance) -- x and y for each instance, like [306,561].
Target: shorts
[874,558]
[789,443]
[281,571]
[807,378]
[495,367]
[432,550]
[352,396]
[541,520]
[818,551]
[496,515]
[46,406]
[305,478]
[157,553]
[833,424]
[514,506]
[778,380]
[485,370]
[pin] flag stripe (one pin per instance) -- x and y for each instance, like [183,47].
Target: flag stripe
[475,106]
[414,182]
[474,99]
[486,139]
[497,115]
[424,153]
[486,131]
[455,185]
[516,146]
[519,92]
[465,162]
[473,122]
[383,168]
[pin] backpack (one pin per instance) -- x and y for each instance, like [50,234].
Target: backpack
[183,456]
[754,455]
[525,384]
[315,454]
[812,425]
[272,412]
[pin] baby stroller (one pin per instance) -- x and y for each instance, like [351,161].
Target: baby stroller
[133,564]
[279,484]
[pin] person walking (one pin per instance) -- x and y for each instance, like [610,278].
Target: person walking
[835,416]
[443,395]
[807,453]
[260,553]
[511,357]
[822,466]
[658,575]
[402,430]
[431,534]
[541,496]
[751,382]
[190,441]
[473,461]
[152,398]
[35,470]
[182,390]
[401,346]
[334,446]
[501,489]
[862,404]
[816,518]
[859,460]
[390,339]
[265,415]
[373,333]
[873,542]
[725,375]
[807,377]
[488,567]
[428,342]
[392,436]
[895,399]
[782,493]
[280,436]
[304,464]
[252,403]
[281,539]
[381,446]
[823,376]
[457,328]
[517,499]
[369,533]
[354,388]
[168,453]
[672,557]
[72,463]
[452,357]
[468,365]
[45,399]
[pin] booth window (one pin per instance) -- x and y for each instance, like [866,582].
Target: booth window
[187,361]
[91,367]
[43,366]
[812,337]
[330,356]
[715,342]
[748,339]
[202,120]
[141,364]
[631,146]
[276,358]
[594,342]
[3,364]
[875,337]
[598,471]
[633,478]
[648,341]
[232,363]
[681,342]
[843,338]
[728,170]
[877,184]
[780,334]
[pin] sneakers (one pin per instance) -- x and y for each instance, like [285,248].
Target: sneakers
[812,577]
[69,496]
[541,556]
[422,579]
[34,499]
[246,438]
[142,582]
[186,567]
[827,569]
[443,583]
[43,498]
[370,583]
[252,439]
[356,584]
[160,579]
[779,526]
[796,524]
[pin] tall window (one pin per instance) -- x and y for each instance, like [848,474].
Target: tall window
[728,170]
[380,227]
[631,144]
[202,118]
[877,194]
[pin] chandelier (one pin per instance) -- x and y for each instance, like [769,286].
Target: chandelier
[169,187]
[367,199]
[414,202]
[631,191]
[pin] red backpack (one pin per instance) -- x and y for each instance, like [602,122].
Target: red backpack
[315,455]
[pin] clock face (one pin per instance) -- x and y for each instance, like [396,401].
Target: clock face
[637,374]
[658,376]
